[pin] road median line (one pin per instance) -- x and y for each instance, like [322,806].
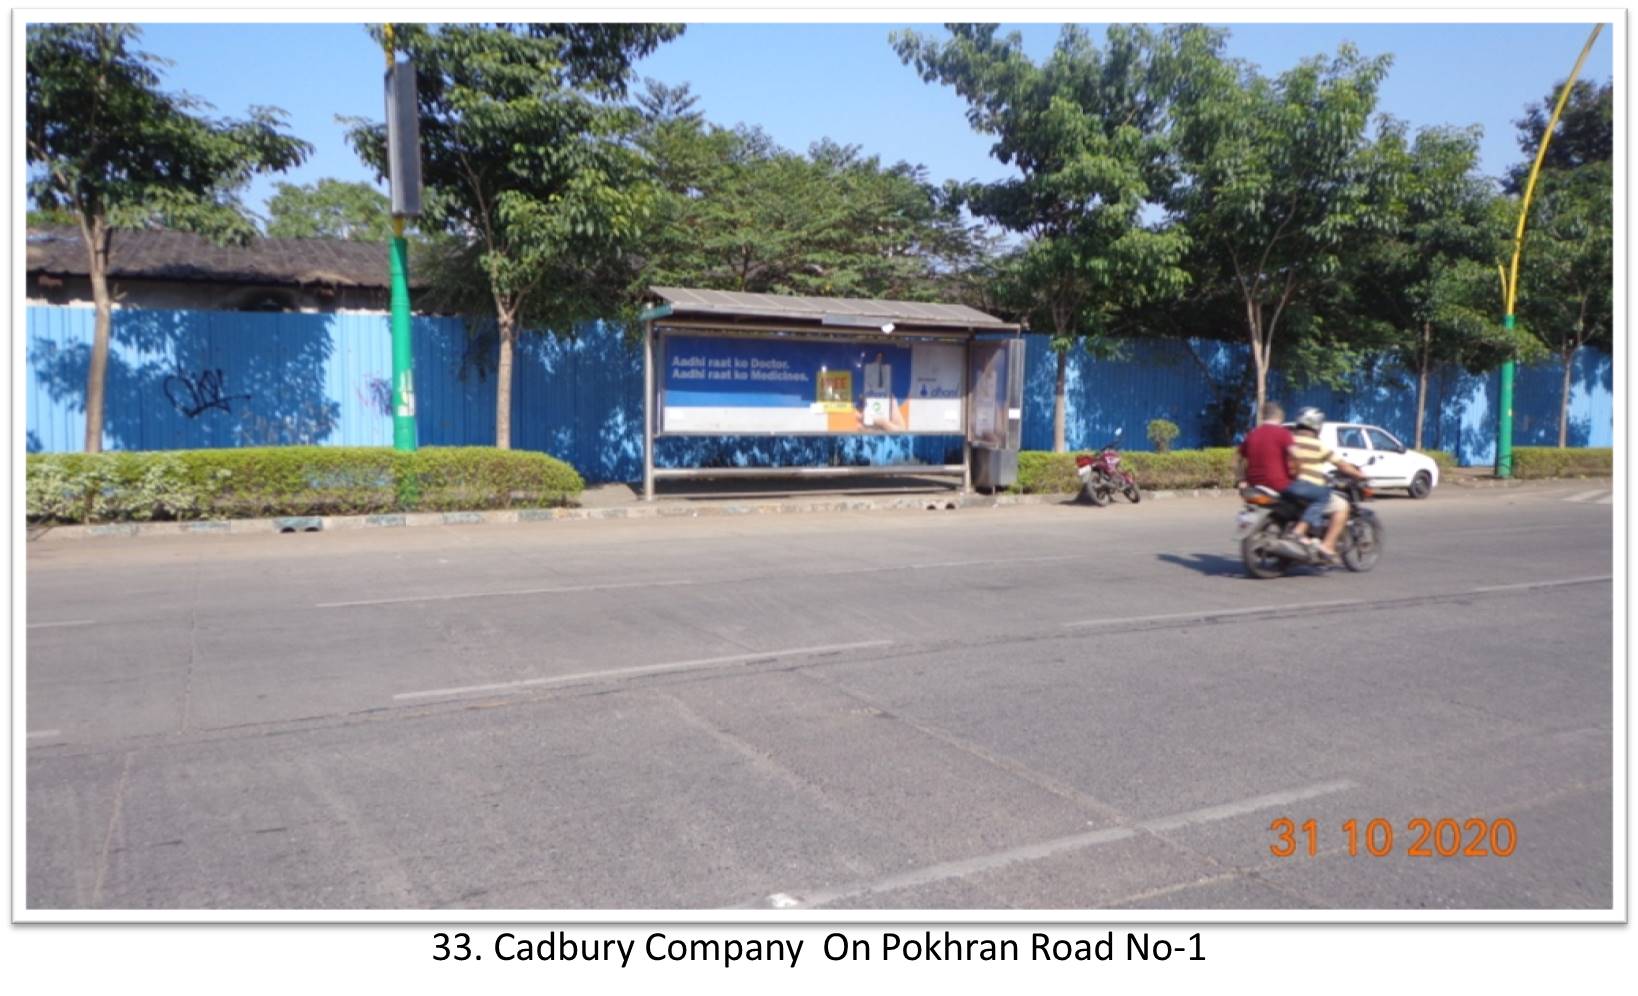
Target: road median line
[617,674]
[962,868]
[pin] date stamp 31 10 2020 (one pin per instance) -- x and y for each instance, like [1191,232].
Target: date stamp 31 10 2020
[1420,838]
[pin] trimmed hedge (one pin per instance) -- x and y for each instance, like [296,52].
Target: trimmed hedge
[1054,473]
[1446,462]
[290,480]
[1550,461]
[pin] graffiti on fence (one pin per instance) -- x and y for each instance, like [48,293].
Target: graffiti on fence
[192,395]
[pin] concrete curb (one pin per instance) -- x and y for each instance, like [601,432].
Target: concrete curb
[1514,482]
[657,510]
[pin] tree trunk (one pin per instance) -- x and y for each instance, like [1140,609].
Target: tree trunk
[1422,381]
[503,381]
[96,376]
[1564,401]
[1060,443]
[1259,365]
[1259,356]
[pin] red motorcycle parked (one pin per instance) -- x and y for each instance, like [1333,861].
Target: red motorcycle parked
[1101,476]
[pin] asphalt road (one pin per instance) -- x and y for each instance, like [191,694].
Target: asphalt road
[1039,707]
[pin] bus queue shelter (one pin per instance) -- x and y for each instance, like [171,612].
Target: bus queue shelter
[729,363]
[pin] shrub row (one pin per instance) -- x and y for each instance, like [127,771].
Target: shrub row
[1054,473]
[1550,461]
[290,480]
[1445,461]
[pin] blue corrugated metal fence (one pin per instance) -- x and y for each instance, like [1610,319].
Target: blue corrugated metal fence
[183,379]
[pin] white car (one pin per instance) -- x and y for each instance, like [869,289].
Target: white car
[1388,462]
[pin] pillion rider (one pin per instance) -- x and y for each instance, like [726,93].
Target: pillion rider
[1307,456]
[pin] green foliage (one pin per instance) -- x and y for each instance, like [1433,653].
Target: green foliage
[1084,131]
[1279,183]
[736,212]
[528,163]
[1427,279]
[105,143]
[1547,461]
[1566,277]
[1585,132]
[1054,473]
[1566,280]
[1161,433]
[292,480]
[329,209]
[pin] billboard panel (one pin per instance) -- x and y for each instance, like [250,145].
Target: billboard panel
[809,387]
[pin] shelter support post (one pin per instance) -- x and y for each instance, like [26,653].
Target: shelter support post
[966,428]
[648,411]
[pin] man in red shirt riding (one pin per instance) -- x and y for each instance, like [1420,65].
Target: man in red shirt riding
[1263,452]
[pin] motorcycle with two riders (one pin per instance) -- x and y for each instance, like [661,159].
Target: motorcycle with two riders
[1265,528]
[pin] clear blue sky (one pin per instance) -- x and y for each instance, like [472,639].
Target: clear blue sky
[804,82]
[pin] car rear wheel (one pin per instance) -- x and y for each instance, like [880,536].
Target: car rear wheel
[1421,485]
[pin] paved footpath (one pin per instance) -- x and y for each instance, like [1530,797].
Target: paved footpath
[1039,707]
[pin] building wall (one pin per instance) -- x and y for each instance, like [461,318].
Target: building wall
[69,291]
[182,379]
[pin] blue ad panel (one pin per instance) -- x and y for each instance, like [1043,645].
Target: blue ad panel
[771,373]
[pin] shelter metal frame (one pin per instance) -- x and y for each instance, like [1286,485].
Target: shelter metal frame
[722,314]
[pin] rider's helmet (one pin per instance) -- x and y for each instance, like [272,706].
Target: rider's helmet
[1311,418]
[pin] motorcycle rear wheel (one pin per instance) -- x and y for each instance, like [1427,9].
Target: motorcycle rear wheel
[1092,492]
[1260,560]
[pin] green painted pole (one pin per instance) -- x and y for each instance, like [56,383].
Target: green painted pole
[1504,426]
[403,356]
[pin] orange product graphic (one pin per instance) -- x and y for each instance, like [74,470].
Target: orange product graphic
[836,390]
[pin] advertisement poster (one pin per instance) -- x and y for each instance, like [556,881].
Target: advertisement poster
[810,387]
[990,394]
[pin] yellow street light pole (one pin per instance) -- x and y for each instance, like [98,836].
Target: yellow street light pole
[1510,280]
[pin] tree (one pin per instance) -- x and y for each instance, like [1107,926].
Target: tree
[1566,277]
[1585,132]
[531,176]
[1428,279]
[108,147]
[1083,130]
[329,209]
[739,213]
[1277,181]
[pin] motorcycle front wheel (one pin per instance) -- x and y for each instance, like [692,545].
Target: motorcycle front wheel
[1132,493]
[1256,551]
[1364,542]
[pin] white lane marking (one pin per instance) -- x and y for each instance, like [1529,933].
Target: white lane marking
[1528,585]
[1583,496]
[1043,849]
[1213,615]
[1208,615]
[64,622]
[627,672]
[1606,499]
[45,733]
[1211,814]
[450,597]
[622,585]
